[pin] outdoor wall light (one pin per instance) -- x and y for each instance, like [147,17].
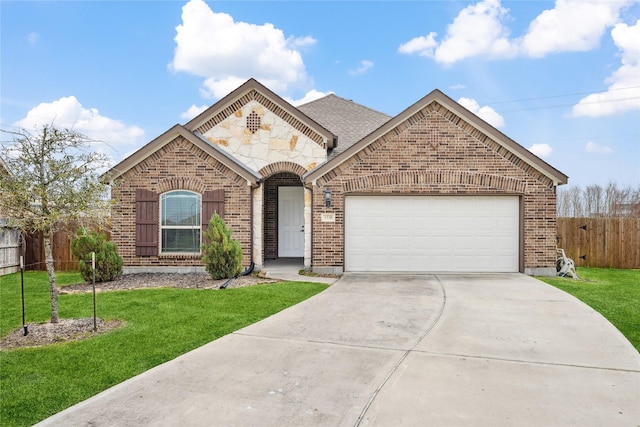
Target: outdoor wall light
[327,197]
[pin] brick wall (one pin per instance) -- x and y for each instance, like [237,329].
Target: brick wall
[436,152]
[178,165]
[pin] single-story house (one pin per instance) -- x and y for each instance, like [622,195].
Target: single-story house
[340,186]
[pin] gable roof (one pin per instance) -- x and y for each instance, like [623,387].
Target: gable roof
[439,97]
[247,91]
[169,136]
[349,121]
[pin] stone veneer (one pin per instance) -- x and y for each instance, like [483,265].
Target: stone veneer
[274,140]
[435,152]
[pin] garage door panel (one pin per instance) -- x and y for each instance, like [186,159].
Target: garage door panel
[427,233]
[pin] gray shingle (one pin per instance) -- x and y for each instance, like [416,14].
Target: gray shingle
[349,121]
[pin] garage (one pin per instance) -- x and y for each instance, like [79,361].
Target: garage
[432,233]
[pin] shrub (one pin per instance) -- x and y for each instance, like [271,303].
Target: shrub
[108,262]
[221,255]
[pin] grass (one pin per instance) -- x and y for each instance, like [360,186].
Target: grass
[613,293]
[161,324]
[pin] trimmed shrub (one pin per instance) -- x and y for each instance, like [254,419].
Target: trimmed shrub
[108,262]
[221,255]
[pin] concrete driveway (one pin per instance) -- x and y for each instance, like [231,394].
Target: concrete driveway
[388,350]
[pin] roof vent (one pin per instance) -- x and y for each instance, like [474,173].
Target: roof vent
[253,122]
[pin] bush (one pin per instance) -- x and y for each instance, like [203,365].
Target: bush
[108,262]
[221,255]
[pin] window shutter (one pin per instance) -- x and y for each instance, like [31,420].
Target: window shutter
[147,211]
[212,202]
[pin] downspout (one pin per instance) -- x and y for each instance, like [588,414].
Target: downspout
[249,269]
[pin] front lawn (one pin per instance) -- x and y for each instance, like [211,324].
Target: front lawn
[160,324]
[613,293]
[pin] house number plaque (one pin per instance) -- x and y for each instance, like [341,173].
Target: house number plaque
[328,217]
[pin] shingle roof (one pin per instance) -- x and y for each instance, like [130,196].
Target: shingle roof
[349,121]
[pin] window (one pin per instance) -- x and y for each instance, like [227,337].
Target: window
[180,221]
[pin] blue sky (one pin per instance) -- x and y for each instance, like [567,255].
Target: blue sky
[562,77]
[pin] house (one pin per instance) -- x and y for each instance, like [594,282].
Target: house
[340,186]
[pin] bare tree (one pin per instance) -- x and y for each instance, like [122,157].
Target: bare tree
[596,201]
[52,180]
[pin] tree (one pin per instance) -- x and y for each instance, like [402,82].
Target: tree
[221,255]
[52,181]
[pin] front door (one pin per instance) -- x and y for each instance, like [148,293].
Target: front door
[291,222]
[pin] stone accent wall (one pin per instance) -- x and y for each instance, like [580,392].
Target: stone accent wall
[436,152]
[258,137]
[270,212]
[178,165]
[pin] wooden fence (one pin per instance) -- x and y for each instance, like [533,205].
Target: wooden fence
[604,242]
[9,250]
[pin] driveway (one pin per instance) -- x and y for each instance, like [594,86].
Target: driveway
[387,350]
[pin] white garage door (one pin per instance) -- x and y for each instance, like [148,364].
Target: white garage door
[432,233]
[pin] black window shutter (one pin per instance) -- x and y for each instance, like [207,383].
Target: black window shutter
[147,223]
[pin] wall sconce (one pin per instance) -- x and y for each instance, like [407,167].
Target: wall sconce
[327,197]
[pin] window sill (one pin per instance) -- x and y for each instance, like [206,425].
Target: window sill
[180,255]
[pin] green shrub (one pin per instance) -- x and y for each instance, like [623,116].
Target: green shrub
[108,262]
[221,255]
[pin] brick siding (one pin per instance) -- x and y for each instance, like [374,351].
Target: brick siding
[436,152]
[178,165]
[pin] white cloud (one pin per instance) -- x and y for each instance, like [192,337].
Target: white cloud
[68,112]
[623,93]
[457,86]
[363,68]
[477,30]
[421,45]
[480,30]
[541,150]
[33,38]
[486,113]
[312,95]
[193,111]
[592,147]
[226,53]
[571,26]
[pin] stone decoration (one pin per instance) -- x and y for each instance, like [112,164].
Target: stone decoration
[273,141]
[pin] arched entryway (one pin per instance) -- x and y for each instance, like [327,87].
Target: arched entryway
[283,217]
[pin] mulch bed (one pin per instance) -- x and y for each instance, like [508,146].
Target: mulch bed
[41,334]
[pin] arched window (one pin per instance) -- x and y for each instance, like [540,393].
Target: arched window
[180,222]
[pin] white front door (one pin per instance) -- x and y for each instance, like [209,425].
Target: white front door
[291,222]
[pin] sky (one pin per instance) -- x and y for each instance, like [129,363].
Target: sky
[561,78]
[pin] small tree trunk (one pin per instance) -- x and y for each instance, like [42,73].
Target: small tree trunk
[53,288]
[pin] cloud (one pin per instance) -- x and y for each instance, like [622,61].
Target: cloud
[226,53]
[33,38]
[363,68]
[623,93]
[193,111]
[571,26]
[480,30]
[457,86]
[592,147]
[312,95]
[486,113]
[476,31]
[541,150]
[421,45]
[68,112]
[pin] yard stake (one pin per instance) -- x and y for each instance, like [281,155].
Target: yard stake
[93,269]
[24,326]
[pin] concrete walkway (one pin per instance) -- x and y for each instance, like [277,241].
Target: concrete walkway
[388,350]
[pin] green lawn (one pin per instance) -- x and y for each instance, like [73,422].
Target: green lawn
[613,293]
[161,324]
